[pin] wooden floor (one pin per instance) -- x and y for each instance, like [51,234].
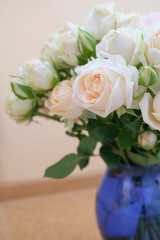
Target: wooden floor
[50,210]
[61,216]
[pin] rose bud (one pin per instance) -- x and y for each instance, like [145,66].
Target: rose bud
[100,20]
[147,140]
[86,43]
[38,75]
[147,76]
[19,110]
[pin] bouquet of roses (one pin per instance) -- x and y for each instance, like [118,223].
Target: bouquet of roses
[102,80]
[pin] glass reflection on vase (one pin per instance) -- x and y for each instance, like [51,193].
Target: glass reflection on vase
[128,203]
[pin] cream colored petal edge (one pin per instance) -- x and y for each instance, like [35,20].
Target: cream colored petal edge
[147,109]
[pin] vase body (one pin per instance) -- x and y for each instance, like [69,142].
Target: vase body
[128,203]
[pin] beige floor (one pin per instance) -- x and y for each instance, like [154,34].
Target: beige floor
[65,216]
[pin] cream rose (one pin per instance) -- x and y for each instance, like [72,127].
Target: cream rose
[127,42]
[123,19]
[150,109]
[61,49]
[60,101]
[153,49]
[19,109]
[100,20]
[38,75]
[103,86]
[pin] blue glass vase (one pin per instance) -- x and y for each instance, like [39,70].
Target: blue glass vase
[128,203]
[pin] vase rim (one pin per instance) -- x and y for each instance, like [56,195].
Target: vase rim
[136,169]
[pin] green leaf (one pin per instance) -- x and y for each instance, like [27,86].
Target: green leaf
[142,159]
[106,132]
[102,132]
[89,115]
[64,167]
[106,120]
[82,60]
[125,140]
[109,157]
[87,146]
[83,163]
[21,90]
[86,43]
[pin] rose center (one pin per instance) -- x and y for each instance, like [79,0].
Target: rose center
[94,85]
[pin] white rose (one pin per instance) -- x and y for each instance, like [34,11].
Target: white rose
[123,19]
[127,42]
[100,20]
[60,101]
[153,48]
[19,109]
[38,75]
[150,109]
[61,49]
[103,86]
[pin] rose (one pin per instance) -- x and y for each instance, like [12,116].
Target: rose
[100,20]
[61,49]
[147,140]
[103,86]
[153,48]
[151,18]
[150,109]
[124,19]
[19,109]
[38,75]
[127,42]
[60,101]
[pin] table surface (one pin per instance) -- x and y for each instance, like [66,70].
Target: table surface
[64,216]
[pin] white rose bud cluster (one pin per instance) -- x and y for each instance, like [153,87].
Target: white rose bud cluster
[61,49]
[111,63]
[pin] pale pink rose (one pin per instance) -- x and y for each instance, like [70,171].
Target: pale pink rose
[151,18]
[60,101]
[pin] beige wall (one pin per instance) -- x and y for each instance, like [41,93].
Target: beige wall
[27,150]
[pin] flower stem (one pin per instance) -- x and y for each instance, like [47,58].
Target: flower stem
[56,118]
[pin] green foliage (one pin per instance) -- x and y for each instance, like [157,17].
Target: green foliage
[83,163]
[22,91]
[89,115]
[125,139]
[87,146]
[142,159]
[64,167]
[102,132]
[86,43]
[82,60]
[109,157]
[118,136]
